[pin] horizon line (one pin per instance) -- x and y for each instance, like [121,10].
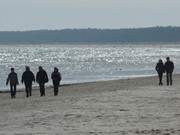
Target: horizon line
[91,28]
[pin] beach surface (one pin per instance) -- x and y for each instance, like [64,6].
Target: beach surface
[136,106]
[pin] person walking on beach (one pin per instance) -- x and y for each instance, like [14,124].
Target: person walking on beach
[169,68]
[160,70]
[56,78]
[13,79]
[27,79]
[41,78]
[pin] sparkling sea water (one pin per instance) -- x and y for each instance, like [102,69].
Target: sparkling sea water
[86,63]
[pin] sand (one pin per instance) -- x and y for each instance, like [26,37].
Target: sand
[135,106]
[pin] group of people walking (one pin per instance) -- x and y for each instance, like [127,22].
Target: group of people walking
[167,68]
[28,78]
[41,78]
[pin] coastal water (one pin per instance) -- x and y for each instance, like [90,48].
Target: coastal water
[86,63]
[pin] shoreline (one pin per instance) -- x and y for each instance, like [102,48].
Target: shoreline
[123,79]
[36,87]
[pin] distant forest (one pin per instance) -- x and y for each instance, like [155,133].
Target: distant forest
[134,35]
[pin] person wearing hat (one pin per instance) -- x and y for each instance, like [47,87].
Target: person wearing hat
[56,78]
[160,70]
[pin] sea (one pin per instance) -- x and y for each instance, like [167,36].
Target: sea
[79,63]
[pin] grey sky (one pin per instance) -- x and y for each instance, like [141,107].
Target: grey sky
[59,14]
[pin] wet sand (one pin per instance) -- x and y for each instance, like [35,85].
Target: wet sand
[135,106]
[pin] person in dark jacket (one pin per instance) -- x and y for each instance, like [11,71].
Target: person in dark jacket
[41,78]
[169,68]
[27,79]
[13,79]
[56,78]
[160,70]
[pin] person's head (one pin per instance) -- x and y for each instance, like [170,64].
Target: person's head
[40,68]
[27,68]
[168,59]
[12,69]
[55,69]
[160,61]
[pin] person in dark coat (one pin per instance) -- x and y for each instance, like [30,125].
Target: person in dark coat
[169,68]
[13,79]
[41,78]
[160,70]
[56,78]
[27,79]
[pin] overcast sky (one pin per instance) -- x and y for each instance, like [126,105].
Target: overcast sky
[60,14]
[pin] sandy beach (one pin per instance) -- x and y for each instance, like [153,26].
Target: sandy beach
[136,106]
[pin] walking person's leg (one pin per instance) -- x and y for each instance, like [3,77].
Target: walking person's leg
[27,91]
[30,89]
[14,91]
[55,90]
[160,78]
[11,89]
[40,87]
[170,77]
[167,78]
[43,89]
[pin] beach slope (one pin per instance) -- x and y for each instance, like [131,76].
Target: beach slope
[120,107]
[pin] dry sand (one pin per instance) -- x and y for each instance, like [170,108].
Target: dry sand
[120,107]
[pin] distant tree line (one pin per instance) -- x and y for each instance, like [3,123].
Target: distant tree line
[134,35]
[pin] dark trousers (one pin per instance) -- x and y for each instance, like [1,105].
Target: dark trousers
[160,75]
[169,78]
[42,89]
[28,89]
[56,87]
[13,91]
